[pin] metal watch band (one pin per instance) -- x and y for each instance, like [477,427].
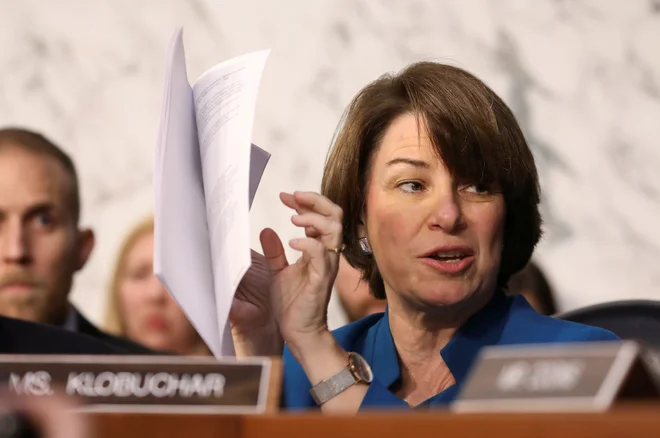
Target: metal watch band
[336,384]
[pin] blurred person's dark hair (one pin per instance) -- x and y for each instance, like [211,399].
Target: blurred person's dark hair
[532,283]
[39,144]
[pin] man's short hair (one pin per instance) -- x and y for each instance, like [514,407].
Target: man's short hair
[37,143]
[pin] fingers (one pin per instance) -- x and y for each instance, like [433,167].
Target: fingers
[314,254]
[311,202]
[273,250]
[304,202]
[329,230]
[289,200]
[318,203]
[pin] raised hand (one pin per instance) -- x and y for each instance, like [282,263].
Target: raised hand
[277,301]
[300,292]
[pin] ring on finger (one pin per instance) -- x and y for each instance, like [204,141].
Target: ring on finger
[339,249]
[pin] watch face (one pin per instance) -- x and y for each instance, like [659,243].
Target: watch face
[361,368]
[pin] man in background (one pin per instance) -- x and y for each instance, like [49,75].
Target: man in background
[42,246]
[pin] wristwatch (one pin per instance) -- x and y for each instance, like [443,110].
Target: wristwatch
[357,371]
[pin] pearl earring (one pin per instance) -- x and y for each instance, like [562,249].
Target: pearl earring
[364,244]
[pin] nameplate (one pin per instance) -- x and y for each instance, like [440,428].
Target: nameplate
[148,383]
[586,377]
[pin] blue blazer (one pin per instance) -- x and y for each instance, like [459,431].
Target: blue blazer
[505,320]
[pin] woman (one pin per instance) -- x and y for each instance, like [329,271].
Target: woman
[140,308]
[431,191]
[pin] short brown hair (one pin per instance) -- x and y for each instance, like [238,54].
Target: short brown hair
[473,131]
[36,143]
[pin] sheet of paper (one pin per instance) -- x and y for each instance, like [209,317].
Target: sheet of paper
[225,99]
[182,244]
[182,253]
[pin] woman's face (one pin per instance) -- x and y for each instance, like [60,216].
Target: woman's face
[436,242]
[151,316]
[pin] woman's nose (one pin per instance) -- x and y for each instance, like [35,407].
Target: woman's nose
[446,214]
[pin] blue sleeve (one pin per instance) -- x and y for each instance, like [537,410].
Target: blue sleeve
[296,386]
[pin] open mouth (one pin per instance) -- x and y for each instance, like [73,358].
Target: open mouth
[448,257]
[450,261]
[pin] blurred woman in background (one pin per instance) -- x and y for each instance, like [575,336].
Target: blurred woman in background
[140,308]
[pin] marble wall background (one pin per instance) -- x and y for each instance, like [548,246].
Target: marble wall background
[583,76]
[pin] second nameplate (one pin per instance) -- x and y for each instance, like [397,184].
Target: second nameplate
[557,378]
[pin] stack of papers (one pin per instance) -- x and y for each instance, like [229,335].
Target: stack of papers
[206,173]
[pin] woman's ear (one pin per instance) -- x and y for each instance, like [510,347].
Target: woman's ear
[363,240]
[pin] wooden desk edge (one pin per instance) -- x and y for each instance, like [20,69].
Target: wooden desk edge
[638,420]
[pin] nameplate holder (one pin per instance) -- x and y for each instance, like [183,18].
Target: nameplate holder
[580,377]
[148,384]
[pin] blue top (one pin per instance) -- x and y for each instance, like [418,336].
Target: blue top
[505,320]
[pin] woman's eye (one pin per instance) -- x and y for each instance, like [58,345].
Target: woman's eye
[411,186]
